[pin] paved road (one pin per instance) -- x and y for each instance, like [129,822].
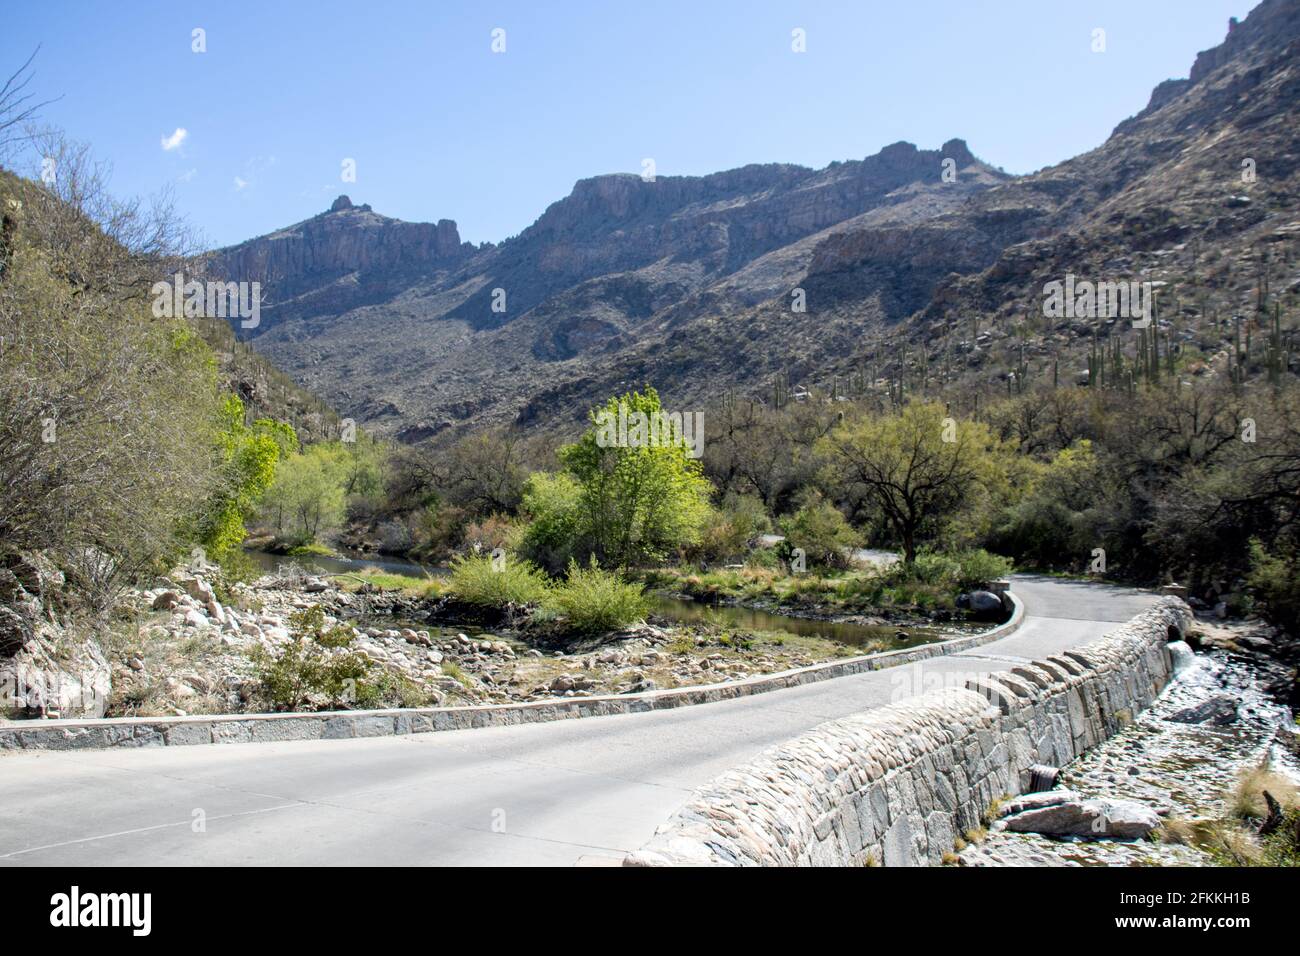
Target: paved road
[558,793]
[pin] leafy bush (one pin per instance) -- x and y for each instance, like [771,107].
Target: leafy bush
[820,529]
[475,579]
[930,567]
[729,531]
[552,503]
[978,568]
[1275,579]
[954,570]
[594,600]
[315,669]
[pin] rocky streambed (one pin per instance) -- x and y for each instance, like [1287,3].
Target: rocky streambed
[1134,800]
[188,651]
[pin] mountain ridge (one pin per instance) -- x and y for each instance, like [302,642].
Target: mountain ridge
[688,283]
[590,273]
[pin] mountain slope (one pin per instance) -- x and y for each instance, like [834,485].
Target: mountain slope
[910,280]
[958,298]
[401,332]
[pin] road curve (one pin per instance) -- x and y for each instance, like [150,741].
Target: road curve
[553,793]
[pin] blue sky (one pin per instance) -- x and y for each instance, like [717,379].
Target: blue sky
[441,127]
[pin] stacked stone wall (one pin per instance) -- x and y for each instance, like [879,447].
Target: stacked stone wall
[897,785]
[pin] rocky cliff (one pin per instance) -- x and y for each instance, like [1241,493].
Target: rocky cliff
[346,246]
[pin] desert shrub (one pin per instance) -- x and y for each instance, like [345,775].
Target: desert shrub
[395,537]
[478,579]
[594,600]
[820,530]
[720,540]
[437,529]
[729,531]
[492,532]
[109,416]
[1275,579]
[316,669]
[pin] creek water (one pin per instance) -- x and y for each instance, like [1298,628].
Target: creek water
[341,563]
[876,636]
[872,636]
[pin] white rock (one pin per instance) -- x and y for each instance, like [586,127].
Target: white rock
[215,611]
[1123,819]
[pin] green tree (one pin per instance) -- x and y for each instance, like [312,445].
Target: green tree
[308,496]
[919,468]
[552,503]
[637,503]
[248,456]
[1061,516]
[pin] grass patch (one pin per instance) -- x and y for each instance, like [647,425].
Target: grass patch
[427,586]
[994,809]
[594,600]
[1247,800]
[1247,836]
[312,549]
[455,672]
[477,579]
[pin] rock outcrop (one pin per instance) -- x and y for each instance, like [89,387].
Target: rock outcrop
[1092,819]
[346,257]
[45,671]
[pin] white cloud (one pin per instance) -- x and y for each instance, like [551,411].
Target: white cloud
[186,176]
[175,139]
[240,183]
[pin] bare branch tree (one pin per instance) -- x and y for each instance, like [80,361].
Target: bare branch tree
[16,106]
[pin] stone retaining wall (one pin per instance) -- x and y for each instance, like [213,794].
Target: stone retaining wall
[253,728]
[897,785]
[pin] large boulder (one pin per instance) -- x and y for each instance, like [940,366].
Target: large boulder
[982,604]
[197,588]
[1218,711]
[1096,818]
[1036,801]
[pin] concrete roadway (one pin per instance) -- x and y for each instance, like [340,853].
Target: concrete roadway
[558,793]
